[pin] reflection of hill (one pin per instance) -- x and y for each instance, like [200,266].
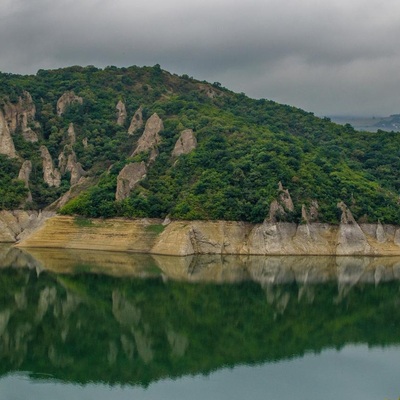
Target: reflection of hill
[89,327]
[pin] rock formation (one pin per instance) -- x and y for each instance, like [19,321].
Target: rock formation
[66,100]
[21,115]
[71,134]
[136,122]
[310,215]
[150,138]
[67,162]
[16,225]
[206,237]
[85,142]
[279,208]
[185,144]
[121,113]
[24,174]
[128,178]
[51,175]
[6,142]
[351,240]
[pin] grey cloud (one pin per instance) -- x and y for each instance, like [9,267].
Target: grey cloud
[328,58]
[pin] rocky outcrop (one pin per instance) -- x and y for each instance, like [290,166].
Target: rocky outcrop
[66,100]
[136,122]
[212,237]
[67,162]
[6,143]
[22,115]
[128,178]
[279,208]
[150,138]
[24,174]
[121,113]
[351,240]
[71,134]
[19,224]
[51,175]
[311,214]
[185,144]
[85,142]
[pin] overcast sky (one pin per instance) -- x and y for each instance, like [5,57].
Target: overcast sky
[331,57]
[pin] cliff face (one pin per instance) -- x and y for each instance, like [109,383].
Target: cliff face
[216,237]
[15,225]
[6,143]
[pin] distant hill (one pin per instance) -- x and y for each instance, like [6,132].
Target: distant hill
[142,142]
[370,124]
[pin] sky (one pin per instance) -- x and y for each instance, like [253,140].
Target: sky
[336,57]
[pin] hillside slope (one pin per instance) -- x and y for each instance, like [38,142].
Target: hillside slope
[141,142]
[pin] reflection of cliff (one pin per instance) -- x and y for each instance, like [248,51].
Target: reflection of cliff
[89,327]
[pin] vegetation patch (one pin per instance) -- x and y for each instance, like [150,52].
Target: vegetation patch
[83,222]
[155,228]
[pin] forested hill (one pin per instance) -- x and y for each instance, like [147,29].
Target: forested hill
[141,142]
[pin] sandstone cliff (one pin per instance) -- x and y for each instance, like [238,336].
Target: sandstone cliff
[150,138]
[18,224]
[215,237]
[128,178]
[136,122]
[6,142]
[67,162]
[185,144]
[121,113]
[280,207]
[51,175]
[24,174]
[66,100]
[22,115]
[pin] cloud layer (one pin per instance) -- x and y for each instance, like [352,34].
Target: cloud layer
[336,57]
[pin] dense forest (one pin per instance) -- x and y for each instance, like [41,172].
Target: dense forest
[245,147]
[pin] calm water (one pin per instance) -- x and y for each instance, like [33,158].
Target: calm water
[93,325]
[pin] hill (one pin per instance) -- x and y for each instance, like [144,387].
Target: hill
[141,142]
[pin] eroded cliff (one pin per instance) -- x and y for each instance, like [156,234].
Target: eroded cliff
[214,237]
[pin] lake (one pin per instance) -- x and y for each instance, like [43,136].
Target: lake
[101,325]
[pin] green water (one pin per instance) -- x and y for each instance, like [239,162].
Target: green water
[266,331]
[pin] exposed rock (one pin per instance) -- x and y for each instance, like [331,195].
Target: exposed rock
[347,216]
[351,240]
[51,175]
[24,174]
[6,142]
[380,233]
[150,138]
[85,142]
[279,208]
[128,178]
[16,225]
[310,215]
[136,122]
[121,113]
[21,115]
[66,100]
[71,134]
[207,237]
[67,162]
[397,237]
[185,144]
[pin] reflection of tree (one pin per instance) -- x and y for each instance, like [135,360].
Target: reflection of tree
[89,327]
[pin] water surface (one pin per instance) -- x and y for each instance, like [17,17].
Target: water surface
[95,325]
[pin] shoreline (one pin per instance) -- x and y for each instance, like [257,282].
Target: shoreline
[182,238]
